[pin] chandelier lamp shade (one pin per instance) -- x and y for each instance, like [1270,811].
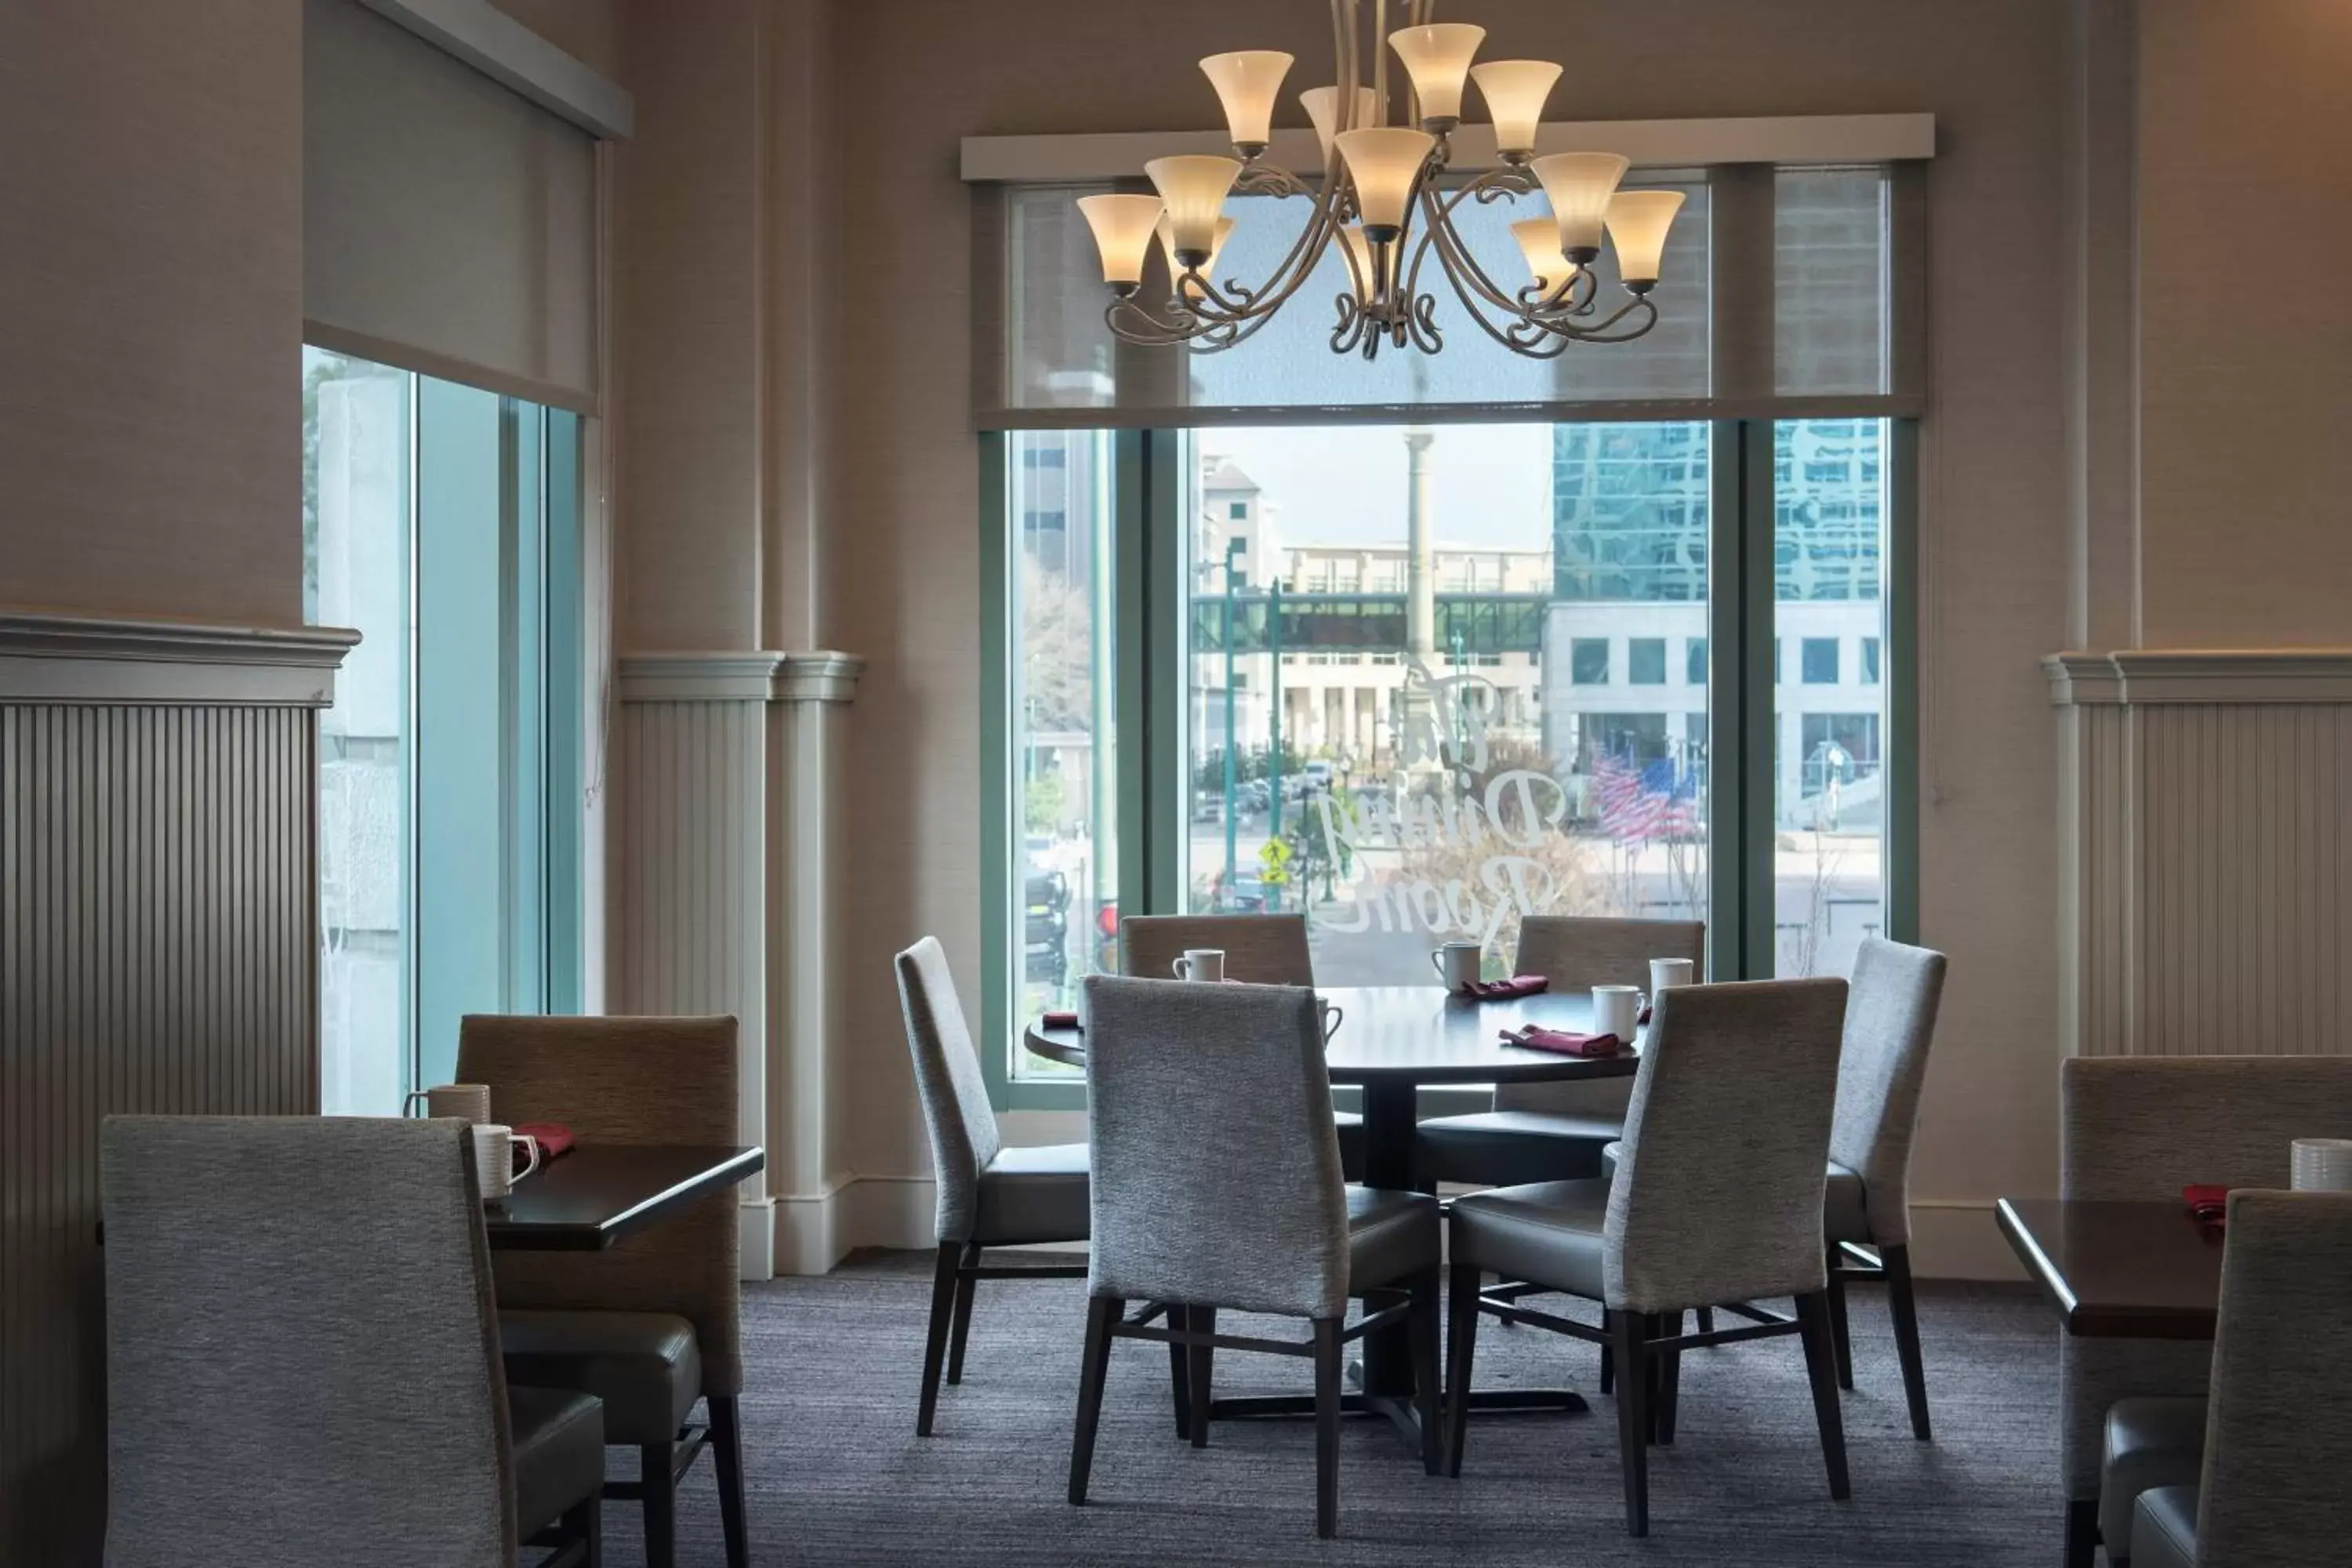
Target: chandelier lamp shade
[1387,204]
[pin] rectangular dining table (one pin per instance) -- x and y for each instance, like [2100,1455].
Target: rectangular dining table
[2119,1270]
[597,1193]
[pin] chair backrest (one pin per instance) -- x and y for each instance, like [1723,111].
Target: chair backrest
[2278,1438]
[628,1080]
[1890,1018]
[1577,953]
[1718,1190]
[302,1359]
[1260,950]
[1216,1163]
[2143,1128]
[948,1077]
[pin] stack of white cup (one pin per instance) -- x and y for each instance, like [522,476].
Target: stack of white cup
[2323,1165]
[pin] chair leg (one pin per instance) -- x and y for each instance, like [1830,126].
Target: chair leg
[1198,1361]
[658,1479]
[1821,1366]
[1608,1357]
[1461,1348]
[1179,1377]
[1903,1308]
[966,1288]
[586,1525]
[1669,1377]
[2082,1532]
[1102,1312]
[1327,1427]
[935,1342]
[1707,1319]
[1428,1403]
[727,1455]
[1836,1295]
[1631,1354]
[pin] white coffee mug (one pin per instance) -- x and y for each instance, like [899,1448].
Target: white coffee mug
[1200,964]
[1665,974]
[466,1101]
[1617,1010]
[1458,963]
[2322,1164]
[1332,1017]
[494,1147]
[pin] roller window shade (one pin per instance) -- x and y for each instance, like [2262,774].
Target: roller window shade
[1779,298]
[448,223]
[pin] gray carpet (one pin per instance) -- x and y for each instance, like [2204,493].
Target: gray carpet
[835,1474]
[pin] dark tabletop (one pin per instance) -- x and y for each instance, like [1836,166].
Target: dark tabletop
[2119,1270]
[1419,1034]
[588,1199]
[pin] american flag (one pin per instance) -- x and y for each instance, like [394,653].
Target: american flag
[1638,801]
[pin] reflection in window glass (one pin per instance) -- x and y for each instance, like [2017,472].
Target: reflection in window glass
[1829,879]
[1454,749]
[1645,661]
[1695,660]
[1065,885]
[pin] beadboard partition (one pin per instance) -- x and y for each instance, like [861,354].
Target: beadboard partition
[158,942]
[2209,891]
[722,804]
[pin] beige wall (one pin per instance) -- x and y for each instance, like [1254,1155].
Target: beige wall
[2245,342]
[905,502]
[151,308]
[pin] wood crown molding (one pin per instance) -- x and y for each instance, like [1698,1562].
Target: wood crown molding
[65,659]
[748,676]
[2148,676]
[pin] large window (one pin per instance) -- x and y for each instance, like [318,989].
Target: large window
[1416,684]
[442,522]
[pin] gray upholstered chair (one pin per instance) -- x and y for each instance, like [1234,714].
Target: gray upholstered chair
[990,1195]
[1716,1201]
[1555,1131]
[654,1322]
[301,1356]
[1260,950]
[1217,1186]
[1890,1020]
[2142,1128]
[2278,1442]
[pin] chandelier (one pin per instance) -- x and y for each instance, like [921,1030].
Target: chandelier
[1388,201]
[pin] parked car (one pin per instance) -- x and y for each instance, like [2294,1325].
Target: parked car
[1247,896]
[1208,807]
[1317,777]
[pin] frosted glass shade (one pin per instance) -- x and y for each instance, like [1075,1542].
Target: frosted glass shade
[1384,161]
[1638,221]
[1322,105]
[1193,186]
[1368,282]
[1515,91]
[1122,227]
[1538,241]
[1246,82]
[1437,58]
[1208,268]
[1578,186]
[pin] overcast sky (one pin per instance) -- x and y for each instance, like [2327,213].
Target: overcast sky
[1346,485]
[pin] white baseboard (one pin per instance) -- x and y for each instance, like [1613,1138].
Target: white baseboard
[814,1231]
[756,1223]
[1956,1238]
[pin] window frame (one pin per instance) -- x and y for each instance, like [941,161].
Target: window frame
[1150,538]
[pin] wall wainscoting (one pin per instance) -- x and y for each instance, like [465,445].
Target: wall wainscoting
[722,798]
[2209,887]
[158,942]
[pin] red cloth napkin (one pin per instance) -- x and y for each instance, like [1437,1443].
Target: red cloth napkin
[1518,985]
[1563,1042]
[1060,1018]
[2206,1205]
[554,1138]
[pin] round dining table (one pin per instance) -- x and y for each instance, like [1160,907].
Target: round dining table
[1390,1042]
